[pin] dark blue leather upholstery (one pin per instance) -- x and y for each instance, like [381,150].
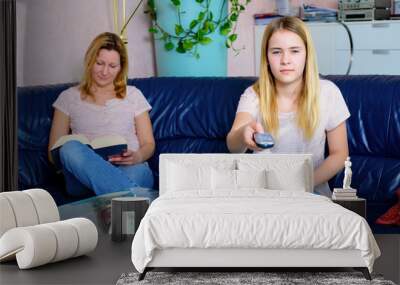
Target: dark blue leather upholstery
[35,114]
[374,140]
[194,115]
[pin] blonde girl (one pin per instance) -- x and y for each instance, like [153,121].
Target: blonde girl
[292,103]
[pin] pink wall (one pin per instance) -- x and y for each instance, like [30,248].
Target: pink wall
[52,36]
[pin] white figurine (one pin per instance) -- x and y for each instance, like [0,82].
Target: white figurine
[347,174]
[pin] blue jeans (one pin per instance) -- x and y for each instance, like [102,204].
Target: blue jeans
[84,170]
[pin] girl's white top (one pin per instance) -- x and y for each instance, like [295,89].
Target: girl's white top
[290,139]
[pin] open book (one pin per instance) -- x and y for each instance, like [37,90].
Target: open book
[105,146]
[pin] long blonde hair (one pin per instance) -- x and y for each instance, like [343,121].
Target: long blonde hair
[108,41]
[308,108]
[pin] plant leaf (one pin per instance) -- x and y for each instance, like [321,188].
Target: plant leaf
[193,24]
[178,29]
[205,41]
[200,34]
[176,3]
[165,36]
[180,48]
[186,39]
[233,17]
[201,16]
[153,30]
[187,44]
[224,31]
[150,4]
[211,27]
[233,37]
[169,46]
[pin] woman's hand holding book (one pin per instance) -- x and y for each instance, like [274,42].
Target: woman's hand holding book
[128,157]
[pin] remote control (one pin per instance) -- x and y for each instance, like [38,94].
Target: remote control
[263,140]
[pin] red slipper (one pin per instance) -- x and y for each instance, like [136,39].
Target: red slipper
[391,217]
[398,197]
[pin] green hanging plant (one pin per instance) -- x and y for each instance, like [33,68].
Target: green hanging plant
[186,39]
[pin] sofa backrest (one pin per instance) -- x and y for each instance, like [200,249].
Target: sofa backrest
[373,132]
[191,115]
[374,104]
[35,114]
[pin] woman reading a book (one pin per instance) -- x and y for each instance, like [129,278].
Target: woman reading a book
[290,101]
[103,105]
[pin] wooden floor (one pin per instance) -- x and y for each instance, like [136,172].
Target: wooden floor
[389,262]
[111,259]
[102,266]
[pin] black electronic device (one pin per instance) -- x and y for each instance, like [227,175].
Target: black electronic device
[364,10]
[263,140]
[356,4]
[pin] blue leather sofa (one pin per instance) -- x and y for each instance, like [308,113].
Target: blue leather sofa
[195,115]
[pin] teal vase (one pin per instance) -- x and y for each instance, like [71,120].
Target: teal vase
[213,57]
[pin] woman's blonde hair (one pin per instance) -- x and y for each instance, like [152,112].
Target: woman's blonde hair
[108,41]
[308,107]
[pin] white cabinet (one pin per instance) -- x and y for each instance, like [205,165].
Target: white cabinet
[258,35]
[324,42]
[376,47]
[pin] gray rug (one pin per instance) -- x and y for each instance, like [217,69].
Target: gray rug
[243,278]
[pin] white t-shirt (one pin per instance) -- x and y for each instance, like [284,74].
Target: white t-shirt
[116,117]
[290,139]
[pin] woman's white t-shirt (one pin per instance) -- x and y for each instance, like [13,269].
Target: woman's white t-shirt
[116,117]
[290,139]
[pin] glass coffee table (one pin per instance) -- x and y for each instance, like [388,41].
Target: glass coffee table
[98,208]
